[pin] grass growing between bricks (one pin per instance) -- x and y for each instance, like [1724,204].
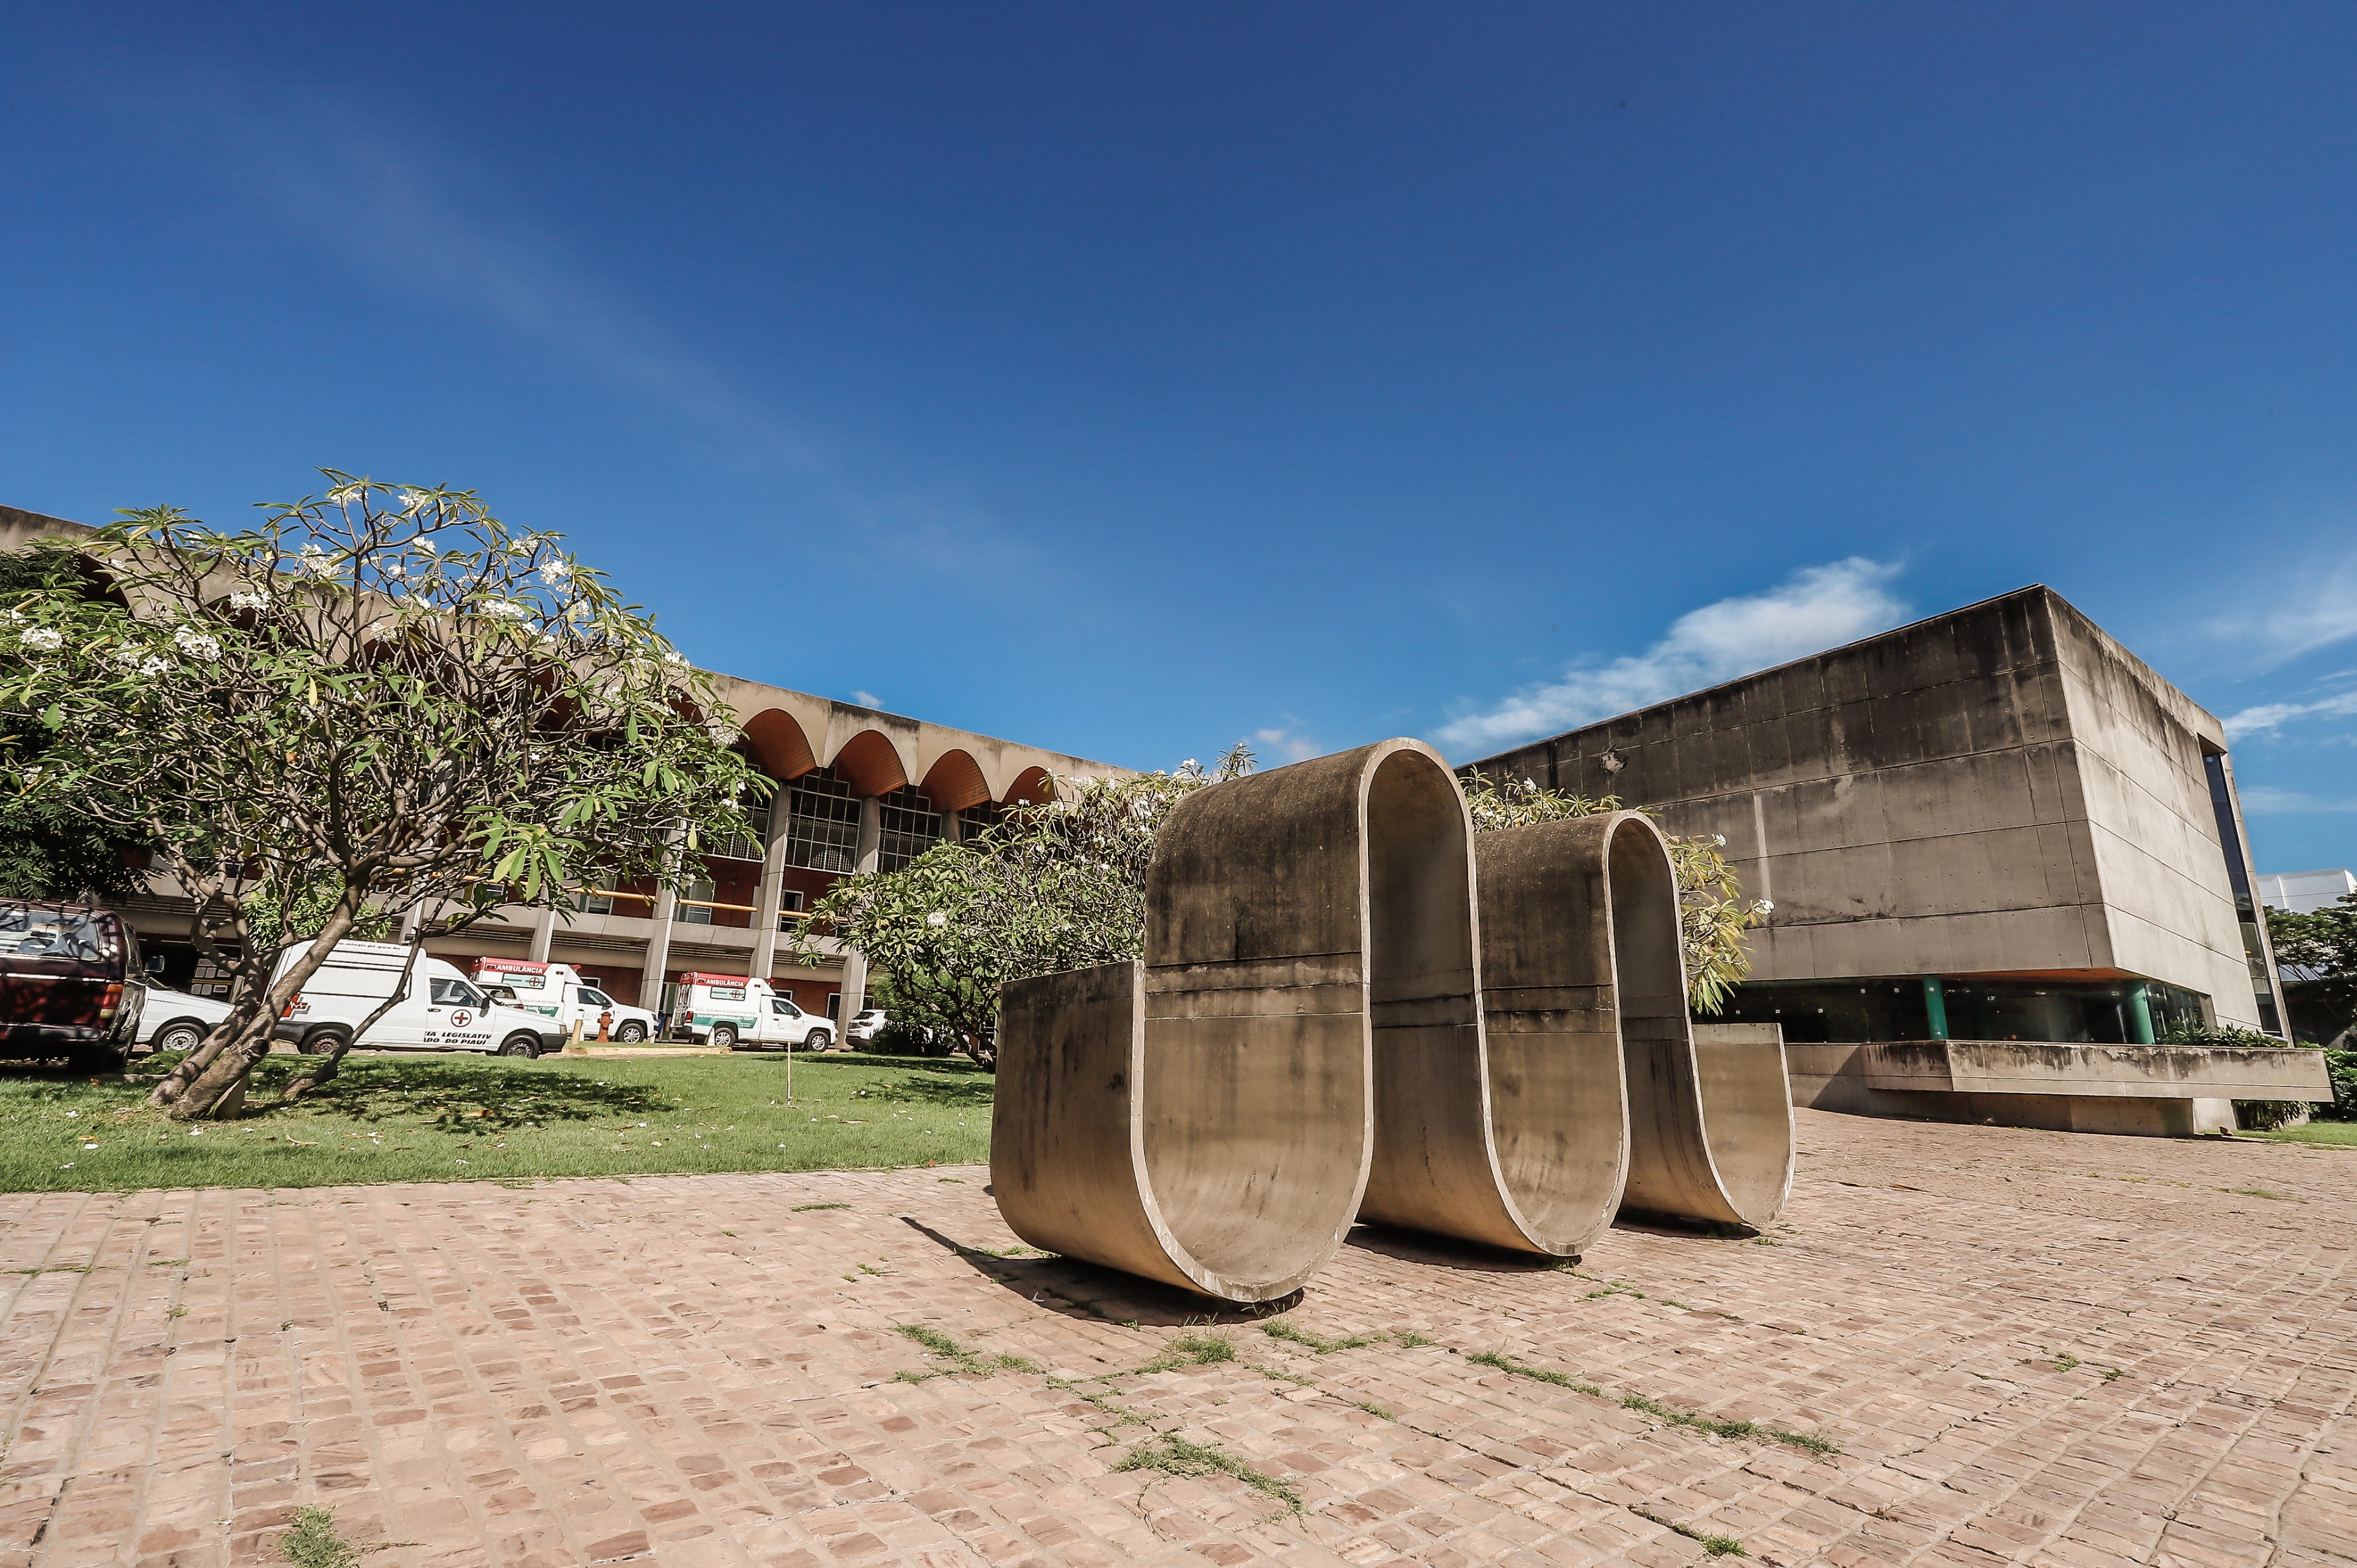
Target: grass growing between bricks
[315,1542]
[1173,1455]
[1716,1545]
[1714,1426]
[451,1118]
[959,1357]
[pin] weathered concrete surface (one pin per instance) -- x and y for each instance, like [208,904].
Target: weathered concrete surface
[2000,789]
[676,1371]
[1311,1037]
[2159,1090]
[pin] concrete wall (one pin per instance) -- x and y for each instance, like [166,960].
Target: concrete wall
[2003,789]
[2160,861]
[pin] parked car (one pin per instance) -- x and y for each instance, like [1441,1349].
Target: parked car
[178,1021]
[558,991]
[440,1010]
[71,984]
[864,1024]
[730,1010]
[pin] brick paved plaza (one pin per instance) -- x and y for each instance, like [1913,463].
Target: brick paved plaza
[2028,1347]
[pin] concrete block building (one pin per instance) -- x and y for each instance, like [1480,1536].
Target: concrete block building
[1996,825]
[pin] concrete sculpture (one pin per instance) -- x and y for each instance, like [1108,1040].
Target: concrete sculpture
[1337,1019]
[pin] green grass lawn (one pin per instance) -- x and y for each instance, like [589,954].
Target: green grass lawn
[453,1118]
[2343,1133]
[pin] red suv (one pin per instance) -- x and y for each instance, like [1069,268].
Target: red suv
[71,984]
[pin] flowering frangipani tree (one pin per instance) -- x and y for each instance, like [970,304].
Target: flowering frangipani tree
[1712,912]
[1055,887]
[382,692]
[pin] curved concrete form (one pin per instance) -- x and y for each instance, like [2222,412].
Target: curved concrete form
[1336,1018]
[1205,1118]
[1710,1120]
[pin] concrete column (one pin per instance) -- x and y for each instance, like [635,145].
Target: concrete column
[658,951]
[773,896]
[953,828]
[2139,1014]
[1935,1007]
[543,934]
[855,964]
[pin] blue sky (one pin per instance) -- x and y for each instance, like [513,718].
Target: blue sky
[1127,379]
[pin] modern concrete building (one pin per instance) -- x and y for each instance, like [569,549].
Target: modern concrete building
[858,791]
[1996,825]
[2305,892]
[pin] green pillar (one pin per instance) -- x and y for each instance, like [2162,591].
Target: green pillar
[2139,1014]
[1935,1007]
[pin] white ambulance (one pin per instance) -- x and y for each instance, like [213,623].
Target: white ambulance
[734,1010]
[560,991]
[439,1011]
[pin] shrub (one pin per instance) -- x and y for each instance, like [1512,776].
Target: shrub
[901,1039]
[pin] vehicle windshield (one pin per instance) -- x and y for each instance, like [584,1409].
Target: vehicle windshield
[455,993]
[50,933]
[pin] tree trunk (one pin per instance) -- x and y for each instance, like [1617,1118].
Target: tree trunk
[176,1082]
[223,1084]
[321,1071]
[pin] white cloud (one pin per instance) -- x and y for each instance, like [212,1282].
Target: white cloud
[2265,801]
[867,699]
[1815,608]
[2318,608]
[2268,717]
[1289,744]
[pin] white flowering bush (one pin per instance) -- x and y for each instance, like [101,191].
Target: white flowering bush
[384,694]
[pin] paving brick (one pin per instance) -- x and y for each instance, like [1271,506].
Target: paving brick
[2029,1347]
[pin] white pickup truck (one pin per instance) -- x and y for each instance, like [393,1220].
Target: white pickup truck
[733,1010]
[559,991]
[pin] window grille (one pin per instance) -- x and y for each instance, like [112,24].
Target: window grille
[911,827]
[822,823]
[735,847]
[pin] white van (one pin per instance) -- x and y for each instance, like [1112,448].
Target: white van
[731,1010]
[560,991]
[439,1012]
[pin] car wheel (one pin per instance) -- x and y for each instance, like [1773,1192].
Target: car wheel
[320,1042]
[817,1040]
[631,1034]
[524,1046]
[724,1037]
[180,1035]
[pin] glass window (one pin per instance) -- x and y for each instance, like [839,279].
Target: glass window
[597,904]
[454,994]
[822,823]
[911,826]
[592,998]
[784,1008]
[692,908]
[734,848]
[51,933]
[976,821]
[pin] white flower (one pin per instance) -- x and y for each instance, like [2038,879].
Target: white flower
[1718,839]
[346,494]
[142,662]
[197,644]
[507,609]
[554,571]
[936,919]
[411,501]
[43,639]
[578,611]
[316,562]
[249,599]
[392,568]
[1765,907]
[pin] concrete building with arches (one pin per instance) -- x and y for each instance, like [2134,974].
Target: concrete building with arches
[856,790]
